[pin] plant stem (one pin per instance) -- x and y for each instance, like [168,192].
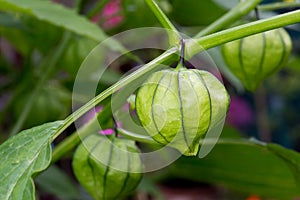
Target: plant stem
[165,57]
[195,46]
[77,5]
[93,127]
[174,36]
[279,5]
[74,139]
[262,118]
[48,65]
[136,137]
[242,9]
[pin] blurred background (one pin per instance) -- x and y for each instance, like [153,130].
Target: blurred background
[38,68]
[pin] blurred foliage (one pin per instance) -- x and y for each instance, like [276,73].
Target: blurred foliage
[200,12]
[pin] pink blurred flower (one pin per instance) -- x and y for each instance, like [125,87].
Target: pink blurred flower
[108,131]
[89,115]
[110,16]
[96,18]
[111,8]
[113,22]
[240,113]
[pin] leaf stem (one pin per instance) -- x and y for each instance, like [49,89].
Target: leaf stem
[73,140]
[242,9]
[262,118]
[77,5]
[279,5]
[194,46]
[136,137]
[90,128]
[174,36]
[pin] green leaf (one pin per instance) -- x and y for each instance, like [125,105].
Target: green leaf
[55,14]
[21,156]
[246,165]
[291,158]
[56,182]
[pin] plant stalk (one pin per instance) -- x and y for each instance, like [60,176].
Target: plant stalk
[174,37]
[278,6]
[262,118]
[242,9]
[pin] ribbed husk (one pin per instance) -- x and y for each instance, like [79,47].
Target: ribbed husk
[256,57]
[177,107]
[107,169]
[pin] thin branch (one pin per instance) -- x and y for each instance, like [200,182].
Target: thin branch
[242,9]
[174,36]
[278,6]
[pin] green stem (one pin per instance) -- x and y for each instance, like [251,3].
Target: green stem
[77,5]
[166,57]
[242,9]
[136,137]
[262,117]
[49,66]
[74,139]
[91,127]
[195,46]
[174,36]
[279,5]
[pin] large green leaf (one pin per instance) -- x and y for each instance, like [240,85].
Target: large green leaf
[246,165]
[54,14]
[21,156]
